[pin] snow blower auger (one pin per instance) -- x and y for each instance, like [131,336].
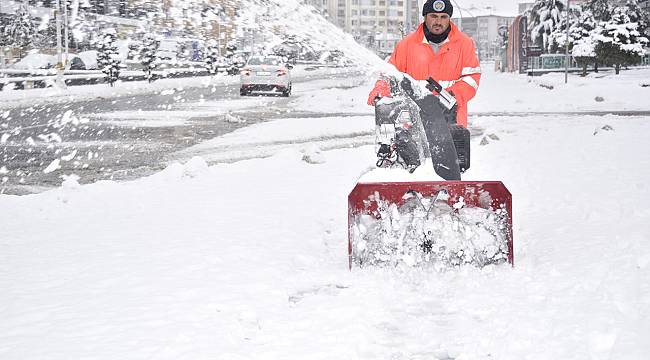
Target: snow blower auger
[418,223]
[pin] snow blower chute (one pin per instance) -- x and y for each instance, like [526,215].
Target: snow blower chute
[440,223]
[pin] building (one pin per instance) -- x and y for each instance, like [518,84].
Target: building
[368,19]
[380,24]
[488,31]
[385,43]
[522,7]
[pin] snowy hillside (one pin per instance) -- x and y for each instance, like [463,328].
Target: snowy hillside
[247,260]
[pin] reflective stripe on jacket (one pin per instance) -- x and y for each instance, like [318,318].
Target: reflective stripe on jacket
[455,65]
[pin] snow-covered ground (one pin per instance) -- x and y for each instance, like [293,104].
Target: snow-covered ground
[248,260]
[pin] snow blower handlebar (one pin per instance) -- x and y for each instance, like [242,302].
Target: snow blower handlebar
[446,98]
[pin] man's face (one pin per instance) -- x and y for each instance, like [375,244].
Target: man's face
[437,23]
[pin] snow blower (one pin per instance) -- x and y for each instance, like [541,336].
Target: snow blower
[418,223]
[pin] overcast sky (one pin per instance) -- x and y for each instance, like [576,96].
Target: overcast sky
[497,7]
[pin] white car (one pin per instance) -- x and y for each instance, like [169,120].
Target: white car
[266,74]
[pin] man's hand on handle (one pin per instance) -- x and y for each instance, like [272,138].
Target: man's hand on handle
[381,89]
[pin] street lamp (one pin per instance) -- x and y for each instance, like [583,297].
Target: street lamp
[566,45]
[59,65]
[65,32]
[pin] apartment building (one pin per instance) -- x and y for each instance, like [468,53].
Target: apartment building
[368,20]
[486,30]
[380,24]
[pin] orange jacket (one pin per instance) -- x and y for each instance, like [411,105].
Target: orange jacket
[455,66]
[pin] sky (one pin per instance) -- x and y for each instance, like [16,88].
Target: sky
[478,7]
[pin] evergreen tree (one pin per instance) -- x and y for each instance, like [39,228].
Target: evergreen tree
[600,9]
[212,57]
[108,58]
[557,38]
[288,49]
[5,40]
[20,31]
[147,54]
[544,17]
[231,48]
[639,16]
[583,42]
[232,59]
[618,41]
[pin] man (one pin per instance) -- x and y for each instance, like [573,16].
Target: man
[439,50]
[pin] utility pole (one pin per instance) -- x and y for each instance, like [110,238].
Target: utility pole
[65,31]
[566,45]
[59,55]
[407,27]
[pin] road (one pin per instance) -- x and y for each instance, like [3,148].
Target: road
[125,137]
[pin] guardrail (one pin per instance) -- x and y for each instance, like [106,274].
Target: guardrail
[41,78]
[30,79]
[556,62]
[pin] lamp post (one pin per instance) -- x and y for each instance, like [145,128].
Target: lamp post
[65,32]
[59,55]
[566,45]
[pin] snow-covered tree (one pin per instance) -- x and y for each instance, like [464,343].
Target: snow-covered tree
[231,49]
[20,31]
[108,58]
[147,54]
[5,40]
[639,16]
[600,9]
[583,42]
[212,58]
[619,41]
[544,17]
[557,37]
[289,48]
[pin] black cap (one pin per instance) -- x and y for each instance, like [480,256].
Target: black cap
[438,6]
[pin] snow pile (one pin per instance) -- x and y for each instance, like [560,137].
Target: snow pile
[35,61]
[428,231]
[272,21]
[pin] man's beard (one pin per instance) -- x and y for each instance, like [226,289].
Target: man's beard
[436,38]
